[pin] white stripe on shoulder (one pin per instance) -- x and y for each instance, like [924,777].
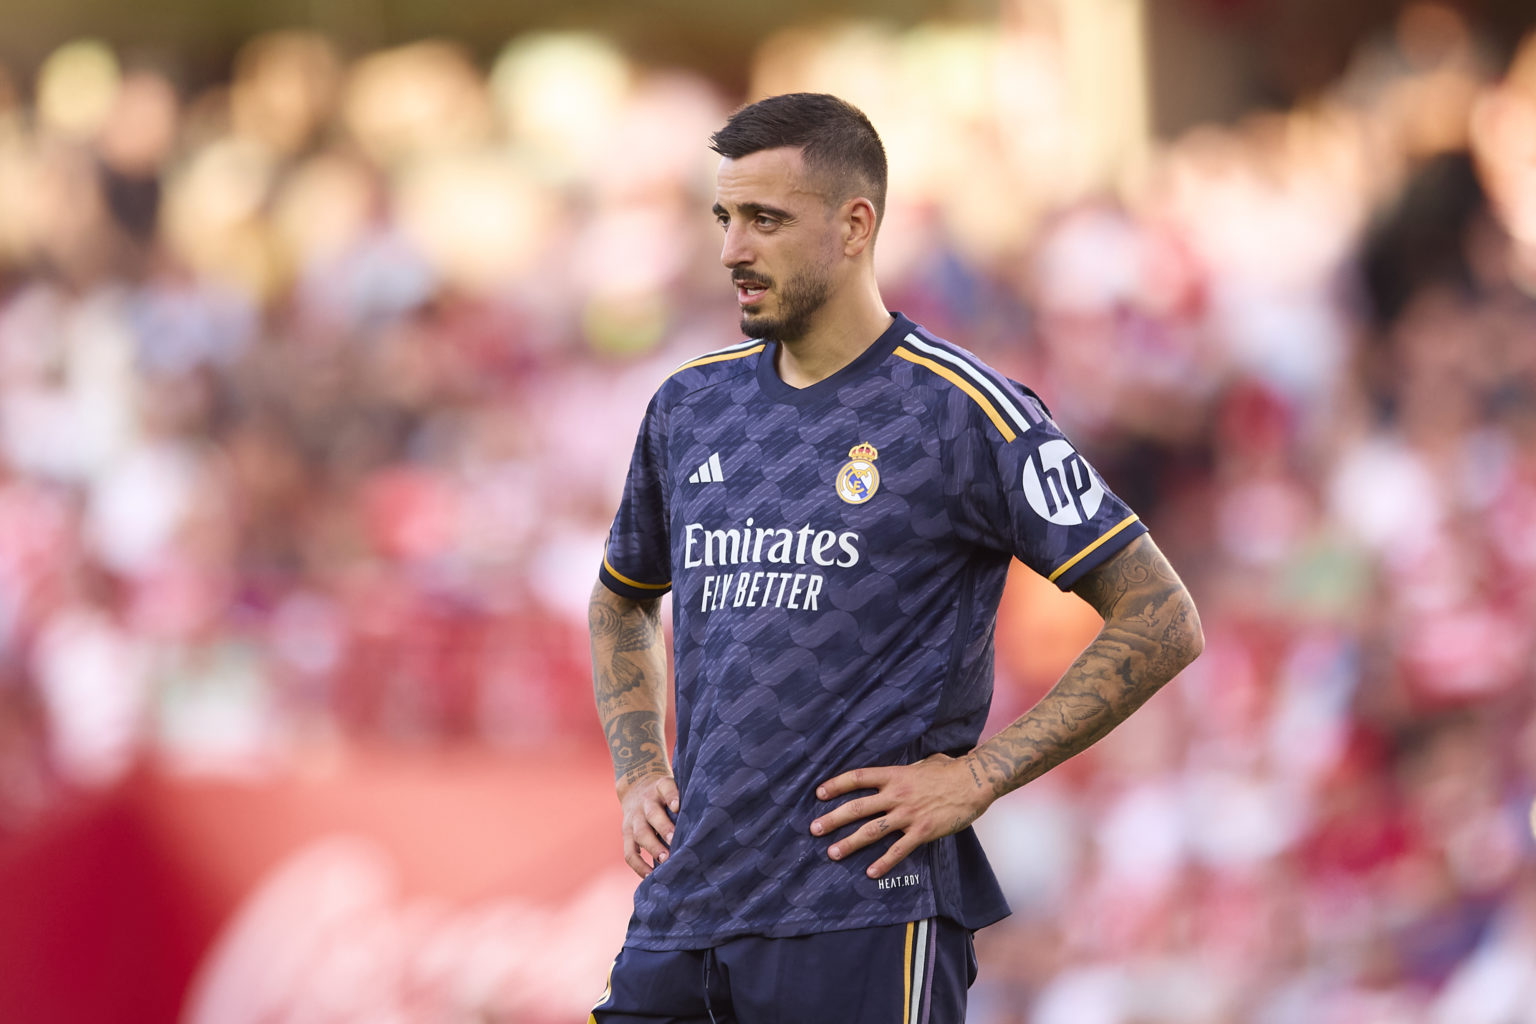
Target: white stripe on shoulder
[970,369]
[739,346]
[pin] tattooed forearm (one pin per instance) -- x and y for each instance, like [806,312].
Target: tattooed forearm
[617,685]
[629,680]
[1151,631]
[975,774]
[635,740]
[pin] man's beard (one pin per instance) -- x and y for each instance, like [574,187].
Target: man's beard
[798,301]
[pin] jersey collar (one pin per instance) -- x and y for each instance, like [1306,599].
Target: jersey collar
[774,387]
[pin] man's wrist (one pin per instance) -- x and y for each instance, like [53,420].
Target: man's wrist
[623,781]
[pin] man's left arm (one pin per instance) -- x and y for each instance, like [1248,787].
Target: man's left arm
[1151,631]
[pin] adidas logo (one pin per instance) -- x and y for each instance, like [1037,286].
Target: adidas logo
[709,473]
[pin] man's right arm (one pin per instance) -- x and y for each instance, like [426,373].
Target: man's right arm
[629,677]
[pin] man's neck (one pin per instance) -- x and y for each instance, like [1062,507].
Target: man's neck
[832,345]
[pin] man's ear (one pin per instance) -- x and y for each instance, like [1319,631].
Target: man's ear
[859,224]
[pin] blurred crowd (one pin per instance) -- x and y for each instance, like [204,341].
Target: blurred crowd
[318,385]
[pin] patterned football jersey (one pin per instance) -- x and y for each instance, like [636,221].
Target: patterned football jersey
[836,555]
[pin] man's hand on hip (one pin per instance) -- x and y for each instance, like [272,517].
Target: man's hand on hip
[648,804]
[938,796]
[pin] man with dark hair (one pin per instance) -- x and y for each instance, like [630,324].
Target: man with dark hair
[841,149]
[834,504]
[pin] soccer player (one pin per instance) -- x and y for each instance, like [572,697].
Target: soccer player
[834,504]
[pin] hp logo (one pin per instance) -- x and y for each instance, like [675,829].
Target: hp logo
[1060,485]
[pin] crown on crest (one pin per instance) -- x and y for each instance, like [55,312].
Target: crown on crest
[864,451]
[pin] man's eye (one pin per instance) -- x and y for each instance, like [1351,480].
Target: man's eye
[764,221]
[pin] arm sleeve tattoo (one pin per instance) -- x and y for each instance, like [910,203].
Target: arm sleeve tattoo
[1151,631]
[629,681]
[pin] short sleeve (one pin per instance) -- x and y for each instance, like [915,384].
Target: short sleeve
[637,562]
[1035,496]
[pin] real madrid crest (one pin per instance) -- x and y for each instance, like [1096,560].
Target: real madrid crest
[858,480]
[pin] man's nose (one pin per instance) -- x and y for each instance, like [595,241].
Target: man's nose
[734,251]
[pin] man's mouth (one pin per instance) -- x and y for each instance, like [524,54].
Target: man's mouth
[749,290]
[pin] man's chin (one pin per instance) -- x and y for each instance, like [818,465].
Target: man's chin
[757,326]
[773,328]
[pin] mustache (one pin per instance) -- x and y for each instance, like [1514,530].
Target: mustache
[743,279]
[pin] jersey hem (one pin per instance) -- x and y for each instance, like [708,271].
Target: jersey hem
[808,926]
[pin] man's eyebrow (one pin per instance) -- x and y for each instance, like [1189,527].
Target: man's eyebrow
[750,210]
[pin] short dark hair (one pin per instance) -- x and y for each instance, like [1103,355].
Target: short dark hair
[838,143]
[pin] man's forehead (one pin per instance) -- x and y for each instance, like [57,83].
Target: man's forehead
[780,171]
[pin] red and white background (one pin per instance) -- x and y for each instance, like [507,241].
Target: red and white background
[440,887]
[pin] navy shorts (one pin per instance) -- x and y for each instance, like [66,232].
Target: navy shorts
[915,973]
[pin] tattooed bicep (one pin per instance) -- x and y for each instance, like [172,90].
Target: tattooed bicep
[1137,574]
[612,615]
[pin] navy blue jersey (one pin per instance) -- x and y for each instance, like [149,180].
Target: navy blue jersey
[836,555]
